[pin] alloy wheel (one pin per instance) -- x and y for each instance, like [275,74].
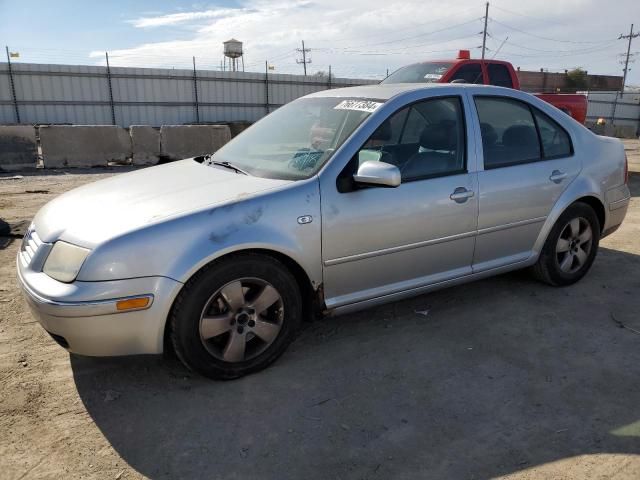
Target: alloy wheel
[574,245]
[241,319]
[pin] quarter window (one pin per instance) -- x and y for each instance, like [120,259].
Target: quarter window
[555,140]
[509,135]
[430,143]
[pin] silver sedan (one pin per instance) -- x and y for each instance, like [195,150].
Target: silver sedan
[338,201]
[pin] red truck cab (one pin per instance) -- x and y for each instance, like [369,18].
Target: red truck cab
[464,69]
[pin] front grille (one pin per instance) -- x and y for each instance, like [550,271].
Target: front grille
[31,244]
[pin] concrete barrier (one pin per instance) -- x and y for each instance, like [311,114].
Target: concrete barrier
[18,148]
[184,141]
[238,127]
[618,131]
[626,131]
[145,144]
[84,145]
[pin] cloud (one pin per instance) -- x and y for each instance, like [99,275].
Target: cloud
[185,17]
[362,38]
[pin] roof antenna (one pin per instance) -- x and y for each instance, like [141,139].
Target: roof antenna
[499,48]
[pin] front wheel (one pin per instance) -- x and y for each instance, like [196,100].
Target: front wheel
[570,248]
[236,317]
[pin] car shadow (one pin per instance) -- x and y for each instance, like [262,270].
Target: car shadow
[9,233]
[475,381]
[634,183]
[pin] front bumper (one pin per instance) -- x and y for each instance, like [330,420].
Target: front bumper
[84,313]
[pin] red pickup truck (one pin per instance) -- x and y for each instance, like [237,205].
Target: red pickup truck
[464,69]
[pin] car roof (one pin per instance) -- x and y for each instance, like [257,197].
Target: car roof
[389,90]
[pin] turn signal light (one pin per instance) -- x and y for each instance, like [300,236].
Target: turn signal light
[132,303]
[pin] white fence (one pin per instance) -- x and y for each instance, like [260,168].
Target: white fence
[92,95]
[619,109]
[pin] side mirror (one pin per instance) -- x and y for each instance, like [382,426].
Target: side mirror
[378,173]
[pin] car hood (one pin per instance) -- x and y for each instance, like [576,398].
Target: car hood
[91,214]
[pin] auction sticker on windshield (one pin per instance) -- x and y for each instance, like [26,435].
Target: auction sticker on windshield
[359,105]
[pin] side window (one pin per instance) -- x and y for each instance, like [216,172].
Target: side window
[413,128]
[499,75]
[431,142]
[555,140]
[389,132]
[509,135]
[469,72]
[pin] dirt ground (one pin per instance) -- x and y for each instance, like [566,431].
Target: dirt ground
[502,378]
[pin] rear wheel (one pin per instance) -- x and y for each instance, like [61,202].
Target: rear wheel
[571,246]
[236,317]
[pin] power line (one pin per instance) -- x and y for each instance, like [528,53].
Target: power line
[544,20]
[574,51]
[544,38]
[419,26]
[398,52]
[416,36]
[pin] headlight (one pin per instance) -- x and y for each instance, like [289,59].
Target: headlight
[64,261]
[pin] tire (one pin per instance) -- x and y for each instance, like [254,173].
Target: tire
[220,326]
[567,256]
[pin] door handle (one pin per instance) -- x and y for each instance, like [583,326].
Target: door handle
[461,194]
[557,176]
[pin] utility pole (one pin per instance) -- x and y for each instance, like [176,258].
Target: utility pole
[113,109]
[484,31]
[13,86]
[304,60]
[631,36]
[195,91]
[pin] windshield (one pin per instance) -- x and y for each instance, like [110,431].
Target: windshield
[419,73]
[297,139]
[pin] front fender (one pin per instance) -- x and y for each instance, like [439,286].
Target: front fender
[179,247]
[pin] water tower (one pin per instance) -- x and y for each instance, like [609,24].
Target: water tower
[233,51]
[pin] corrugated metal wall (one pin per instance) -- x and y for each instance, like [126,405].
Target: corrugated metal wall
[627,107]
[78,94]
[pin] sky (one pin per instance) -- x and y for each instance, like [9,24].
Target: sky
[357,38]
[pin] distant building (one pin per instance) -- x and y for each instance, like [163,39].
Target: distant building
[541,81]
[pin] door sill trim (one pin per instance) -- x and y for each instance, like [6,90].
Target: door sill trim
[412,292]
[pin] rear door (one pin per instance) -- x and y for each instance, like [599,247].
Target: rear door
[528,162]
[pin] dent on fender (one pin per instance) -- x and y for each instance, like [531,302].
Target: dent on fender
[252,216]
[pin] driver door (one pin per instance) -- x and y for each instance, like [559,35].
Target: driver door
[379,241]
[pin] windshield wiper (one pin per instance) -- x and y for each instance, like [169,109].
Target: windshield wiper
[228,165]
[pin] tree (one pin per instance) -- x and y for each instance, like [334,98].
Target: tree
[577,79]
